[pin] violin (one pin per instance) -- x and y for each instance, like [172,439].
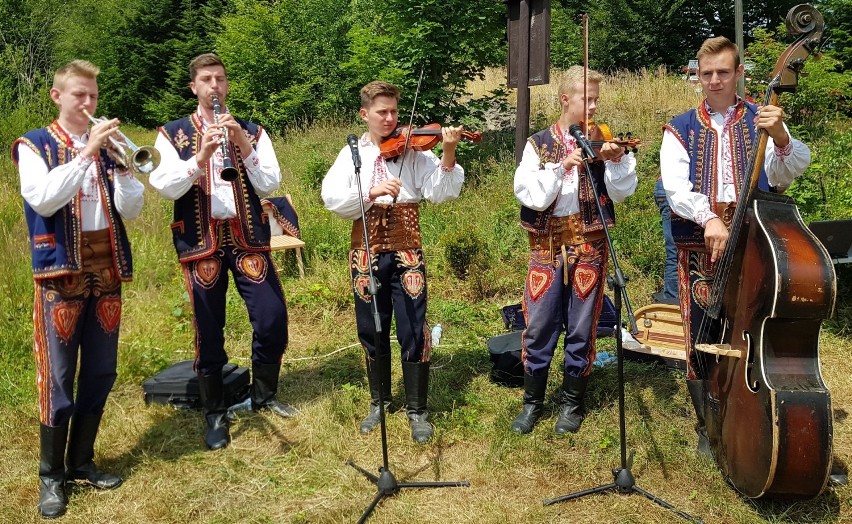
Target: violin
[600,134]
[421,139]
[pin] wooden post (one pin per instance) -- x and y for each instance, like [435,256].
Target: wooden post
[522,120]
[529,58]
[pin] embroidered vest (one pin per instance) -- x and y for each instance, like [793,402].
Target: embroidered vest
[550,148]
[193,229]
[694,131]
[55,241]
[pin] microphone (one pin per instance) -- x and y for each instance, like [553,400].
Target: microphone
[582,141]
[352,140]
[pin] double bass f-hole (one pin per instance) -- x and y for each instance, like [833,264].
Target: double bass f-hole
[751,383]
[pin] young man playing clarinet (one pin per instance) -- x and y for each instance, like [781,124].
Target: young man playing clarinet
[568,251]
[219,226]
[393,189]
[76,197]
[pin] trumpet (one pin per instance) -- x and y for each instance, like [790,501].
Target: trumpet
[140,160]
[229,172]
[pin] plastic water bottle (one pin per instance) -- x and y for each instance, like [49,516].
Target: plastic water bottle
[436,334]
[603,358]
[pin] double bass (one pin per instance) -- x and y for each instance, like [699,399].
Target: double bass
[767,410]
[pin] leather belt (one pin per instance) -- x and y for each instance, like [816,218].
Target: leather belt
[391,227]
[96,250]
[563,231]
[725,211]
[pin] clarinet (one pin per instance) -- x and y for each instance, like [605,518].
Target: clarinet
[229,172]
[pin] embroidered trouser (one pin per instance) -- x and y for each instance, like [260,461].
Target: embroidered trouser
[695,277]
[258,285]
[75,317]
[553,303]
[402,293]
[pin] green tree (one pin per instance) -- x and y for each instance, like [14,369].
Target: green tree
[143,48]
[450,40]
[630,34]
[820,94]
[838,21]
[27,61]
[283,59]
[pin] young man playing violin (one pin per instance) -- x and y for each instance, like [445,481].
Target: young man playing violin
[220,226]
[568,250]
[393,189]
[75,198]
[703,156]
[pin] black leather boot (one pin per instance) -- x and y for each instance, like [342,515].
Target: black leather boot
[415,377]
[213,404]
[571,408]
[378,375]
[264,386]
[81,454]
[696,394]
[534,389]
[52,499]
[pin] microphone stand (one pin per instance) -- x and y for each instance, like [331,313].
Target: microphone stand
[385,482]
[623,480]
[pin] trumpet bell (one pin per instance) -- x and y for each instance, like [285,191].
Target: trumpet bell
[145,160]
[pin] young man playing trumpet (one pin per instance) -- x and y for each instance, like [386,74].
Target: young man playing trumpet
[219,225]
[75,198]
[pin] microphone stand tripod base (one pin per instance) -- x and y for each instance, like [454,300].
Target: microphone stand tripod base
[387,486]
[623,480]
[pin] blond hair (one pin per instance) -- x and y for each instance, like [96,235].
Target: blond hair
[572,79]
[81,68]
[376,89]
[718,45]
[204,60]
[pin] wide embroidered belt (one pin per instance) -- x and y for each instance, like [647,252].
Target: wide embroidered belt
[391,227]
[563,231]
[96,250]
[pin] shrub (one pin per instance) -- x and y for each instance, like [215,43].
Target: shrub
[315,168]
[464,249]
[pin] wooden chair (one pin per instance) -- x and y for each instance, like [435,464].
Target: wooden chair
[284,226]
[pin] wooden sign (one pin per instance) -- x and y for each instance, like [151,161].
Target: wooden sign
[536,46]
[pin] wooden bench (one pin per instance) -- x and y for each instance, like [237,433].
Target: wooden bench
[283,239]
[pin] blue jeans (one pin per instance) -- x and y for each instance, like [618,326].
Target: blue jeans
[670,272]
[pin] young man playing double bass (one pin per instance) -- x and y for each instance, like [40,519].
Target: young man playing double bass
[75,200]
[568,251]
[393,189]
[220,226]
[703,157]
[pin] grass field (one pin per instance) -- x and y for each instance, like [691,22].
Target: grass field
[294,471]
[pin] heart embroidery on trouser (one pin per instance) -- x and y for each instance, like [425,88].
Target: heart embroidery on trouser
[585,278]
[538,281]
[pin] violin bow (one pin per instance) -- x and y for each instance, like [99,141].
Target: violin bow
[410,122]
[585,19]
